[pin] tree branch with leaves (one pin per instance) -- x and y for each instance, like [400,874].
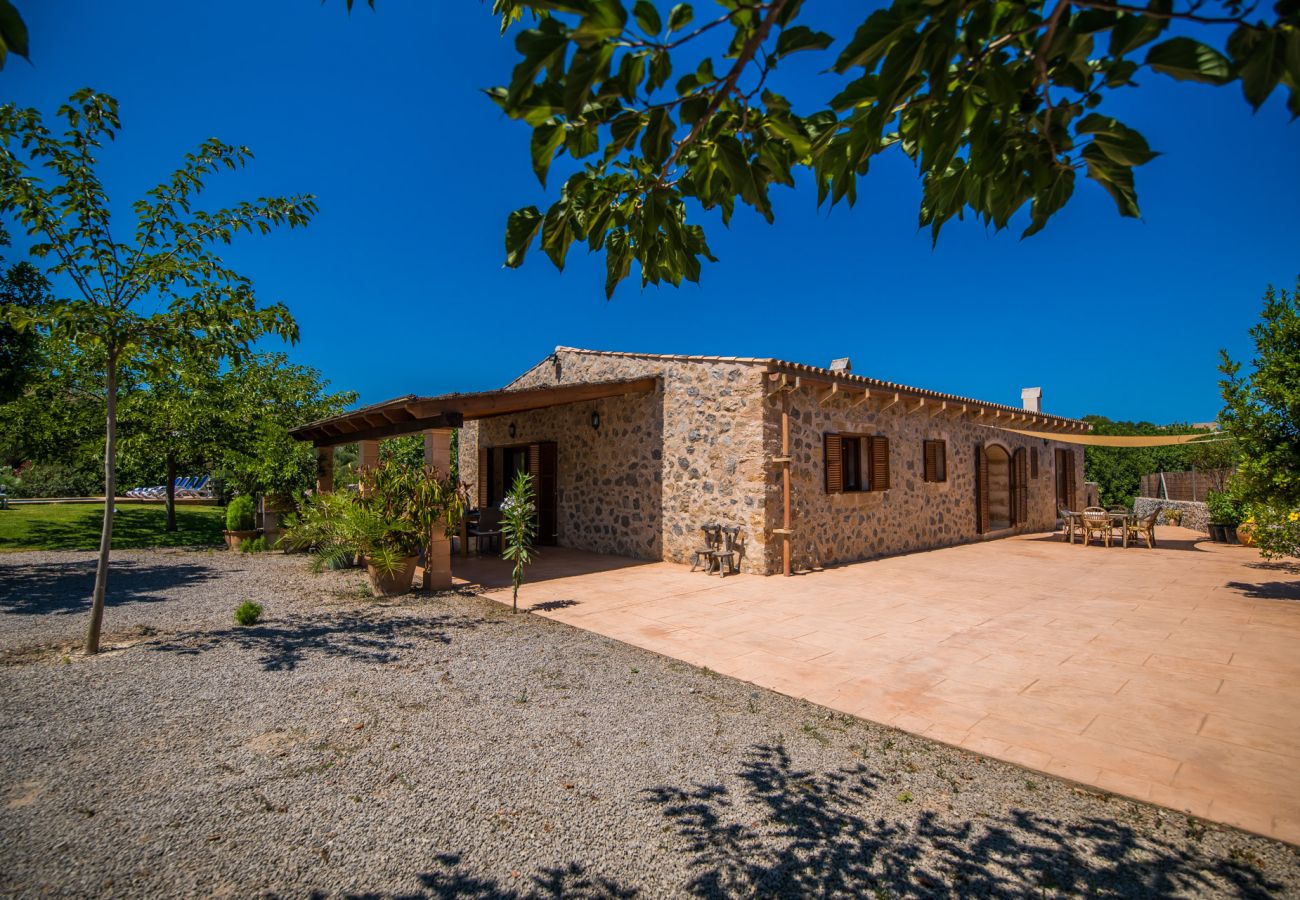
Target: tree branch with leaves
[998,105]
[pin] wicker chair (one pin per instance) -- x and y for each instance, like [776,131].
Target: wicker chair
[1144,527]
[710,543]
[1070,524]
[1096,520]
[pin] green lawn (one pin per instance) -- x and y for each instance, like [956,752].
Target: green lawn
[75,526]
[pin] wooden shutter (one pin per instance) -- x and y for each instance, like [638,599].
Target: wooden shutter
[833,448]
[936,461]
[981,490]
[1020,487]
[484,475]
[1033,463]
[542,466]
[1069,477]
[878,450]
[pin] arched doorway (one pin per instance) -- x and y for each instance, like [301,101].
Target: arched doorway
[998,492]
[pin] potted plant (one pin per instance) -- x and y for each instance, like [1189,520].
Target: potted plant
[1225,515]
[1173,515]
[240,521]
[387,523]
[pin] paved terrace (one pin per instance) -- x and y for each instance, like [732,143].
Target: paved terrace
[1168,675]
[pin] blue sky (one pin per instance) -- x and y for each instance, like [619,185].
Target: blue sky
[398,285]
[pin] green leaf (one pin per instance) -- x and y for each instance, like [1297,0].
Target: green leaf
[605,19]
[1119,142]
[661,69]
[801,37]
[647,17]
[1132,30]
[1115,178]
[13,32]
[1189,60]
[872,40]
[546,140]
[680,16]
[1047,204]
[1260,59]
[658,138]
[520,229]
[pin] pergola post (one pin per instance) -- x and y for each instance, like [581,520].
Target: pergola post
[437,567]
[367,453]
[324,470]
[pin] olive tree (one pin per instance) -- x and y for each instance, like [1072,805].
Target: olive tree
[164,291]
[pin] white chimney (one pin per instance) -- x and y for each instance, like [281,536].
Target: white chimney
[841,365]
[1032,399]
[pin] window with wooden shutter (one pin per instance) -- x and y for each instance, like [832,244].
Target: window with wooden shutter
[1033,463]
[1020,487]
[833,451]
[878,451]
[935,455]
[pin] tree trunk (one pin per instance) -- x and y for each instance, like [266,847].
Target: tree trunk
[171,492]
[110,489]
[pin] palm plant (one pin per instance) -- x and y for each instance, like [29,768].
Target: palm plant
[518,527]
[390,518]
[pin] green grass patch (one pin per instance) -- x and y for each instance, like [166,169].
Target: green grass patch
[76,526]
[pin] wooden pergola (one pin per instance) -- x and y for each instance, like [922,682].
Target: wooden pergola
[435,418]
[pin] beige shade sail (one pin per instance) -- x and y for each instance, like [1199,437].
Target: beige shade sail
[1119,440]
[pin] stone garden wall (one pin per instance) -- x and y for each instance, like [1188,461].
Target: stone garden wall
[1195,515]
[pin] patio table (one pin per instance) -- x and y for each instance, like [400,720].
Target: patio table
[1117,519]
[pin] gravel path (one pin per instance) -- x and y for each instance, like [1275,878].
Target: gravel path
[442,747]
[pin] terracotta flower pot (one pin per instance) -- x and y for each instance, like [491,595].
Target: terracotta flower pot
[233,538]
[394,584]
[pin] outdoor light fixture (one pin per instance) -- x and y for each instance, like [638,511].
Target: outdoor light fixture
[595,419]
[512,429]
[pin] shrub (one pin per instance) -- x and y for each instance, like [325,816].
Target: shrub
[248,613]
[1224,508]
[240,515]
[56,480]
[253,545]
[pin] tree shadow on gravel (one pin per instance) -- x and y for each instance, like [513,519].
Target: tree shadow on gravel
[62,588]
[818,839]
[571,881]
[283,645]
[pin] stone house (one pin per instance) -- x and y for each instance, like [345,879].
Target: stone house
[634,452]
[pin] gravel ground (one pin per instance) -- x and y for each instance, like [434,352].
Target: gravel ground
[440,746]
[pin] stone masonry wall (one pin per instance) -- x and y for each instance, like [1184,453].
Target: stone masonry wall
[1195,515]
[913,514]
[661,464]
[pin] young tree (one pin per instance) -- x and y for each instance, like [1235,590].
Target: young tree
[165,291]
[998,105]
[1262,413]
[518,526]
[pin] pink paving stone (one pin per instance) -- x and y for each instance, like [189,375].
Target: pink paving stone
[1167,675]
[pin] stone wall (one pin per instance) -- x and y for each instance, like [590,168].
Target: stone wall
[660,466]
[913,514]
[1195,515]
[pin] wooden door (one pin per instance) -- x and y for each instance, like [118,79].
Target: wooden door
[542,459]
